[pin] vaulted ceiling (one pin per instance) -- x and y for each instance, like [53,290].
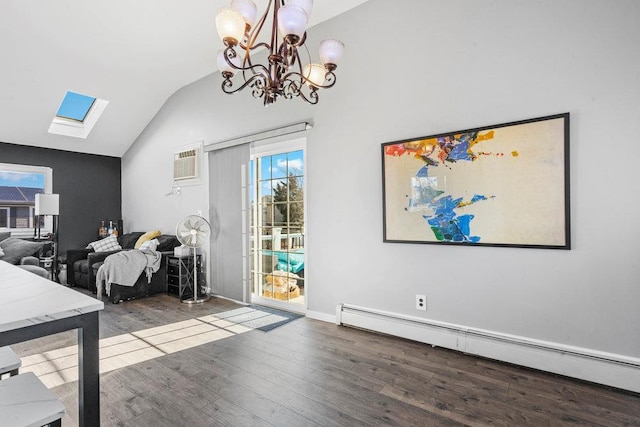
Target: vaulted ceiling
[134,54]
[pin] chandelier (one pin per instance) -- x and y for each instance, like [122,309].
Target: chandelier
[284,74]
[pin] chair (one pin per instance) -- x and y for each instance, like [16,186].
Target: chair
[26,401]
[32,265]
[24,253]
[9,362]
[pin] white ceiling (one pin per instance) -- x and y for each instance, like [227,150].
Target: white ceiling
[132,53]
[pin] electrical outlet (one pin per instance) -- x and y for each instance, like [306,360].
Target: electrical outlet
[421,302]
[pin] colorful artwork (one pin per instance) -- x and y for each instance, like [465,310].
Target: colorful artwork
[501,185]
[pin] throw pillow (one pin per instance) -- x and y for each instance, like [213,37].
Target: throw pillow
[150,245]
[105,245]
[149,235]
[167,242]
[15,249]
[4,235]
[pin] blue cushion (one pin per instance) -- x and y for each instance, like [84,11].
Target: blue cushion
[292,262]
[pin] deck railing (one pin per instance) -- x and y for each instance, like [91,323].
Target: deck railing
[283,241]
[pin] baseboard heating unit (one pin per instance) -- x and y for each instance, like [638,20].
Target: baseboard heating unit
[591,365]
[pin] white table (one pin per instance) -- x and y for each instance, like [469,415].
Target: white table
[33,307]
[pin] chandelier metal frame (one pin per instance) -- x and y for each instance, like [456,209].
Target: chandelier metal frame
[283,75]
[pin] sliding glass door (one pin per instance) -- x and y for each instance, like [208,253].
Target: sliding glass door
[277,227]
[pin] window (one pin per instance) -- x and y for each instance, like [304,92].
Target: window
[75,106]
[19,185]
[77,115]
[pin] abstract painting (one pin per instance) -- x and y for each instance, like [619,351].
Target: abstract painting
[499,185]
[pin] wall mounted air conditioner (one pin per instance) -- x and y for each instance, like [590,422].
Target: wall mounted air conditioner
[185,164]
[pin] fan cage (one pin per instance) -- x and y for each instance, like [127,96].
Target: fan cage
[193,231]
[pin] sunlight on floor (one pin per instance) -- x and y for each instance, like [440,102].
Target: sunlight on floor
[60,366]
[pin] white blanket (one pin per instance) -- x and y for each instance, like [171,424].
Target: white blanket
[124,268]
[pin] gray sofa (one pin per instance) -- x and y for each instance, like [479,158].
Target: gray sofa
[83,264]
[32,265]
[22,253]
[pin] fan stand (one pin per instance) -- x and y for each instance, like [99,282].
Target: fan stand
[193,232]
[196,299]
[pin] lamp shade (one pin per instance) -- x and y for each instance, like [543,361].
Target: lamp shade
[230,25]
[47,204]
[292,20]
[315,73]
[331,51]
[247,9]
[307,5]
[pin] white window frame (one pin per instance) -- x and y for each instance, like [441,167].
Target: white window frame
[75,128]
[48,188]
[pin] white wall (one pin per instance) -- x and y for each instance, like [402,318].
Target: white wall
[445,66]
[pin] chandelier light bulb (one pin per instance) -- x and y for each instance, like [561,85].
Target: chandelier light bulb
[307,5]
[230,25]
[247,9]
[224,66]
[292,21]
[315,73]
[331,51]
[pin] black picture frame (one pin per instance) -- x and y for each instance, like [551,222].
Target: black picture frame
[504,185]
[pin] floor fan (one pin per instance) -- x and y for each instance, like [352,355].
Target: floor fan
[194,232]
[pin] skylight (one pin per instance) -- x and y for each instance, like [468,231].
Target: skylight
[77,115]
[75,106]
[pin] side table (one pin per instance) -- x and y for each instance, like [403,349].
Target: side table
[47,263]
[180,278]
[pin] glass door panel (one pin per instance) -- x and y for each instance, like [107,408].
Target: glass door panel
[277,227]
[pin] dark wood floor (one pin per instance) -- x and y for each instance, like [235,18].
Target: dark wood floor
[311,373]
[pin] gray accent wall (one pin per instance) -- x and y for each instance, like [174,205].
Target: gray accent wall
[89,186]
[429,67]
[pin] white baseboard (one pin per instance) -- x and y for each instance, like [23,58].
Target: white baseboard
[321,316]
[591,365]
